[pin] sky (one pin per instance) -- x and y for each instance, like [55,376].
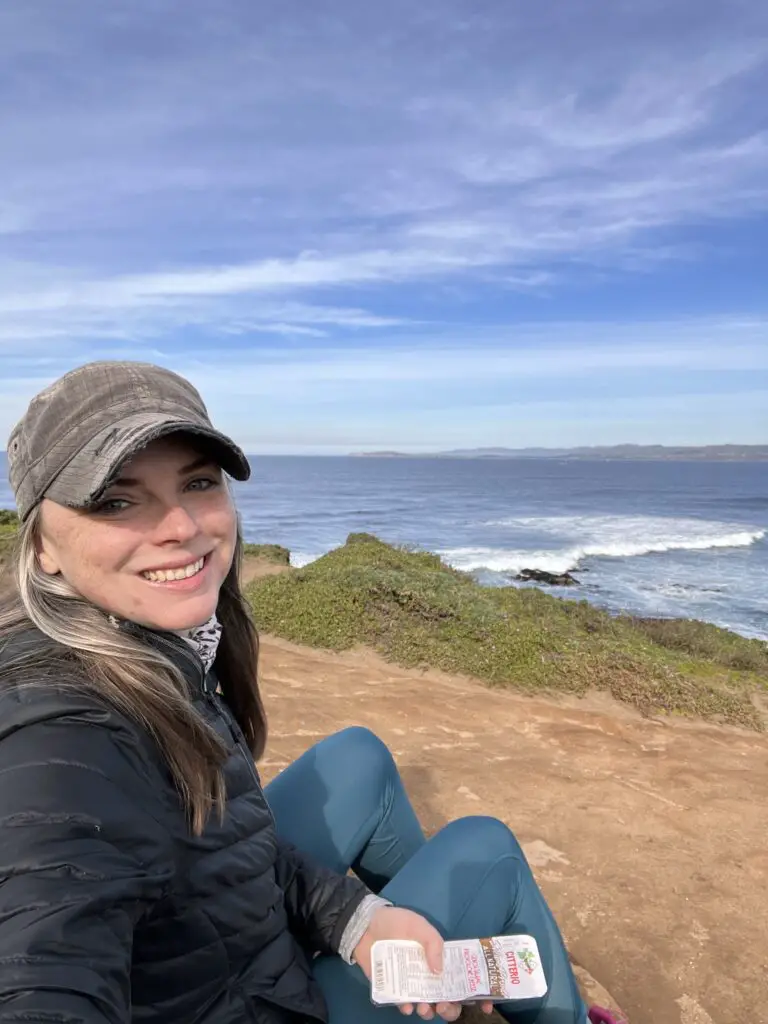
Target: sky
[356,226]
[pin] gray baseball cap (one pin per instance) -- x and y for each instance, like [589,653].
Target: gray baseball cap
[77,433]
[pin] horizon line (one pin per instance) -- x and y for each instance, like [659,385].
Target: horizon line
[554,449]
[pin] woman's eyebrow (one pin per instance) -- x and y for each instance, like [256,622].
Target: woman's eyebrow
[202,462]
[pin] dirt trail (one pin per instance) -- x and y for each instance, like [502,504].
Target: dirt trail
[649,838]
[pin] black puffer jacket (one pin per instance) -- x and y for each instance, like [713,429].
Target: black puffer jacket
[111,911]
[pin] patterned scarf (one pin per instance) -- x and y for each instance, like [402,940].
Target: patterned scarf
[204,640]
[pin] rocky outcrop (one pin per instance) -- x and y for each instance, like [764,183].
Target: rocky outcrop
[551,579]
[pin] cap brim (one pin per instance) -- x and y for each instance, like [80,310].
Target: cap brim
[87,475]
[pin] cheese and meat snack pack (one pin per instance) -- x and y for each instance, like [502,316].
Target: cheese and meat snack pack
[500,969]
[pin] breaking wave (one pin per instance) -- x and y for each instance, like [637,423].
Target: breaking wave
[581,537]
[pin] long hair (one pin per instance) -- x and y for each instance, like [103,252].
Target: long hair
[131,675]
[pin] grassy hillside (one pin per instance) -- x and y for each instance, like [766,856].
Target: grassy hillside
[417,611]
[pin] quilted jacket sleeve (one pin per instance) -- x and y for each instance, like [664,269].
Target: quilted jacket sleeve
[81,858]
[319,902]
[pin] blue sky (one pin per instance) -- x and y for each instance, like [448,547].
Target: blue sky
[413,225]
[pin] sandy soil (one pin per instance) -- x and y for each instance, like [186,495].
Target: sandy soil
[648,837]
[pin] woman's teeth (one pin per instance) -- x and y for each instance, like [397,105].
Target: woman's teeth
[165,575]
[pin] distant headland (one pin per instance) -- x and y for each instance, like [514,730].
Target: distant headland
[626,452]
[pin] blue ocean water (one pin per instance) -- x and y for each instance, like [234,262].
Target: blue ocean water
[683,539]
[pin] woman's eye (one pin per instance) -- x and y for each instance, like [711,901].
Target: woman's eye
[203,483]
[111,506]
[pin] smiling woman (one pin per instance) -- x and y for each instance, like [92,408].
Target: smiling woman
[146,875]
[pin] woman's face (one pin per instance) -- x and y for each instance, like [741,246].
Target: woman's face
[159,544]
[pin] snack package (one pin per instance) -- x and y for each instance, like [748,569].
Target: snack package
[499,969]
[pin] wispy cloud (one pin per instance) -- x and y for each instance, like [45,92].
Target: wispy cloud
[376,129]
[367,190]
[567,362]
[538,355]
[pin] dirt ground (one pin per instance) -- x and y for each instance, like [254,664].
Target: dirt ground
[647,837]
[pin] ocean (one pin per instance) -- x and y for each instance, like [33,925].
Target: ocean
[686,539]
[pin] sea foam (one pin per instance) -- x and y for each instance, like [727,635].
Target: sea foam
[578,538]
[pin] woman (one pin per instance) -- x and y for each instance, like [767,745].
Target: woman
[146,875]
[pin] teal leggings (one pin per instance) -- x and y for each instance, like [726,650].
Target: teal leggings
[343,802]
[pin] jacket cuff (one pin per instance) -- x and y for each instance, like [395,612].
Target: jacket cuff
[358,924]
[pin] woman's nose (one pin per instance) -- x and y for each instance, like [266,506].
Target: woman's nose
[176,524]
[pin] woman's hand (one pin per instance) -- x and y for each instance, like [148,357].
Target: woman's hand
[398,923]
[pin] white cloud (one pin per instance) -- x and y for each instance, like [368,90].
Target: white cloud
[478,358]
[435,353]
[302,152]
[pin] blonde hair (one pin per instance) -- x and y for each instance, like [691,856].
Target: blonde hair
[134,677]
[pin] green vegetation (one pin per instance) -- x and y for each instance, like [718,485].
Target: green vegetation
[268,553]
[708,642]
[417,611]
[9,522]
[7,540]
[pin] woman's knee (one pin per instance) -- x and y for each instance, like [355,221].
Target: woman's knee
[480,838]
[363,754]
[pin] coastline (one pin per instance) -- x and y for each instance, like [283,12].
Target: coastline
[416,611]
[611,453]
